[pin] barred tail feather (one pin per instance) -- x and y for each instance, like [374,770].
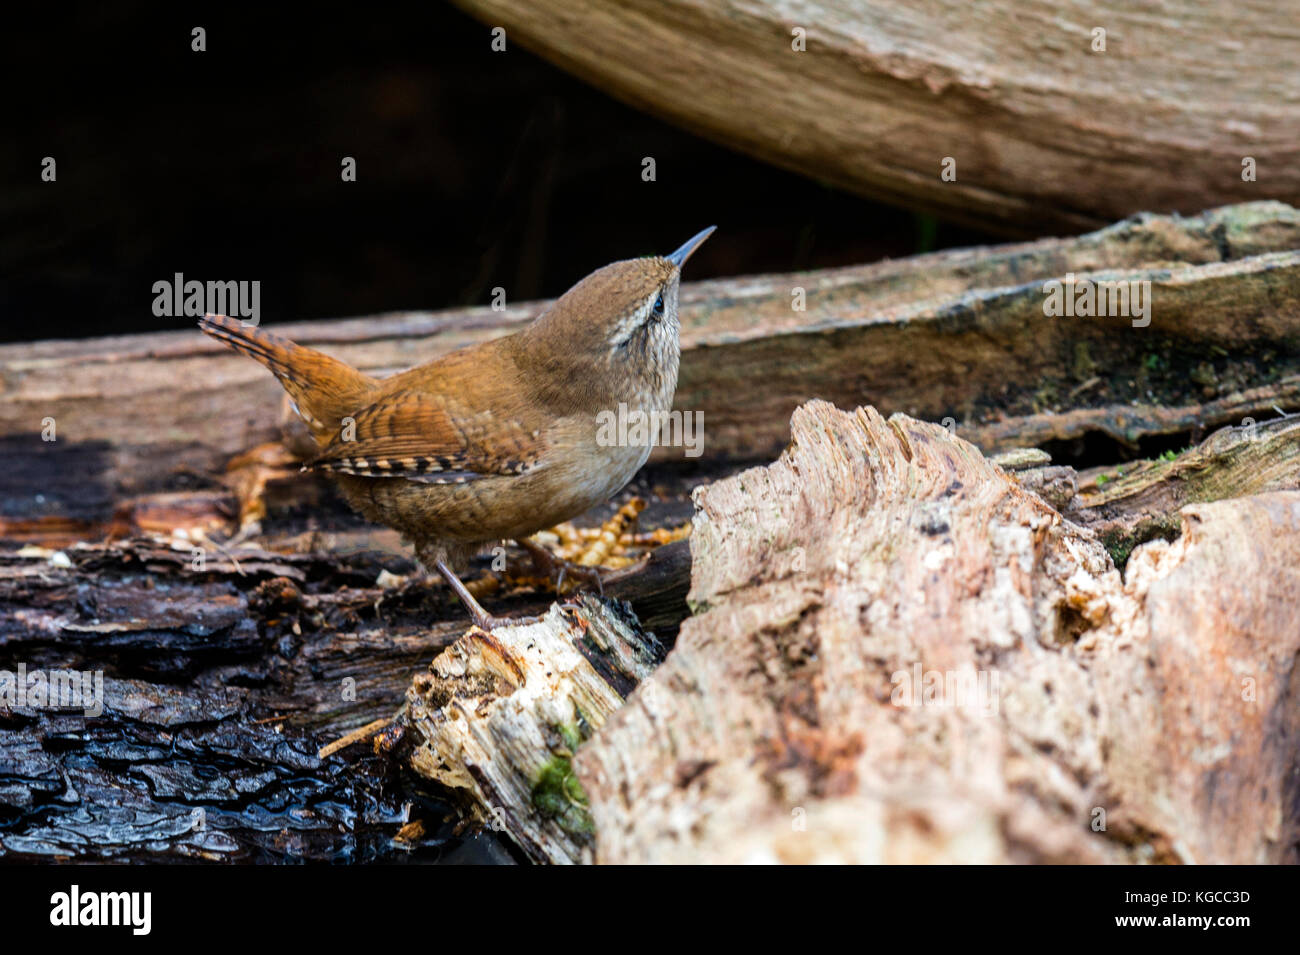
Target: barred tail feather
[323,389]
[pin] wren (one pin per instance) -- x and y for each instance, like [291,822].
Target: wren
[496,440]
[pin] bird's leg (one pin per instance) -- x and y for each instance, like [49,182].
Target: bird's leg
[482,619]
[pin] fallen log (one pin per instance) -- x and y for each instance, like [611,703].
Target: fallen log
[898,654]
[1079,127]
[956,335]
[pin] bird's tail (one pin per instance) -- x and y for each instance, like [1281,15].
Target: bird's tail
[323,389]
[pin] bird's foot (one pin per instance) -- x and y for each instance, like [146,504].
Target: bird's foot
[482,619]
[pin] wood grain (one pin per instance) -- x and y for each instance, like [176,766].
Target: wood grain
[1046,133]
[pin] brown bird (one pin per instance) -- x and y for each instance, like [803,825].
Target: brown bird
[497,440]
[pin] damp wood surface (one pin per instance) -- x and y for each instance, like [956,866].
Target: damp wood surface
[957,336]
[1042,126]
[227,678]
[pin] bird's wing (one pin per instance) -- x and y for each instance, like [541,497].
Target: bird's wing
[419,436]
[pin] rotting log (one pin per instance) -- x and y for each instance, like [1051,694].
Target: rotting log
[1076,716]
[298,627]
[1061,133]
[499,716]
[1131,503]
[959,335]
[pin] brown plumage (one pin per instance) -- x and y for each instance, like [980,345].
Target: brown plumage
[497,440]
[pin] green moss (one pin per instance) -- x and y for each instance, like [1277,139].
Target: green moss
[572,736]
[1120,546]
[556,792]
[558,795]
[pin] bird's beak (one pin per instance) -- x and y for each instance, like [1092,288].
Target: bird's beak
[679,257]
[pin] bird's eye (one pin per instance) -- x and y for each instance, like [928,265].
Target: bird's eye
[658,310]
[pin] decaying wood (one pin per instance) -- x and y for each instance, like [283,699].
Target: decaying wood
[499,717]
[957,335]
[1060,132]
[1104,719]
[1129,505]
[298,628]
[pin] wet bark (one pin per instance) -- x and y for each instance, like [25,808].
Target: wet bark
[224,671]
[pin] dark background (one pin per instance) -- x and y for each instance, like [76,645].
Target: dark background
[475,169]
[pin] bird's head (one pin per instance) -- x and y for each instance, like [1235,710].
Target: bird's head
[622,320]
